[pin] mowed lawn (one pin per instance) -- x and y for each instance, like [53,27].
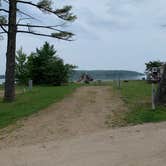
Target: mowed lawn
[31,102]
[137,96]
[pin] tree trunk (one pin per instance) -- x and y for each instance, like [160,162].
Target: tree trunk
[10,55]
[160,98]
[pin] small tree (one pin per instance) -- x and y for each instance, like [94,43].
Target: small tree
[150,65]
[21,72]
[45,67]
[11,23]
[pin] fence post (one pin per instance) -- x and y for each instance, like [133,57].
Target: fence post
[153,97]
[119,82]
[30,85]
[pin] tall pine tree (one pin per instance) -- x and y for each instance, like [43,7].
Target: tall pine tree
[12,21]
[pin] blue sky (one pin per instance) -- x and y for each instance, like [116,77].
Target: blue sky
[110,34]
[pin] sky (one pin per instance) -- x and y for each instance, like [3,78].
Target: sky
[110,34]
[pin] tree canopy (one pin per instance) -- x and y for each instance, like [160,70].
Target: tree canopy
[152,64]
[43,67]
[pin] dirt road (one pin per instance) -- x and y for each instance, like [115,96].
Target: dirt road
[133,146]
[81,113]
[73,132]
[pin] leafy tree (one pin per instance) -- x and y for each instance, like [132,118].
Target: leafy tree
[13,20]
[45,67]
[21,72]
[152,64]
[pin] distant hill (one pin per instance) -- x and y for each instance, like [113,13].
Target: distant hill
[107,74]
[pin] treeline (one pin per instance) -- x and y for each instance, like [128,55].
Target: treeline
[43,66]
[107,74]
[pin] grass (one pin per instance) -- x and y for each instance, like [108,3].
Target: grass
[1,87]
[31,102]
[137,96]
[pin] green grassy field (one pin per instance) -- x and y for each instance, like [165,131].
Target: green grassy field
[31,102]
[137,96]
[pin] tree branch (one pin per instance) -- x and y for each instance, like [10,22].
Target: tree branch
[52,27]
[64,35]
[55,12]
[2,32]
[35,5]
[4,10]
[3,29]
[45,35]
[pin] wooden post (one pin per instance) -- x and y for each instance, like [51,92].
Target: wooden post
[119,82]
[114,83]
[30,85]
[153,97]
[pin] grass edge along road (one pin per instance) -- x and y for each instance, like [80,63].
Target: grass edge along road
[137,96]
[31,102]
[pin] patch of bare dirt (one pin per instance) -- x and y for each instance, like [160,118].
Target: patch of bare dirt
[83,112]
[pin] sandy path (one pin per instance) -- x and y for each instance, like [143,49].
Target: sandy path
[83,112]
[73,133]
[132,146]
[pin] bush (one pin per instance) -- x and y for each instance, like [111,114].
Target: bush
[43,67]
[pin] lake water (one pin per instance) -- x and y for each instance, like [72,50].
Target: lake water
[2,81]
[131,78]
[113,78]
